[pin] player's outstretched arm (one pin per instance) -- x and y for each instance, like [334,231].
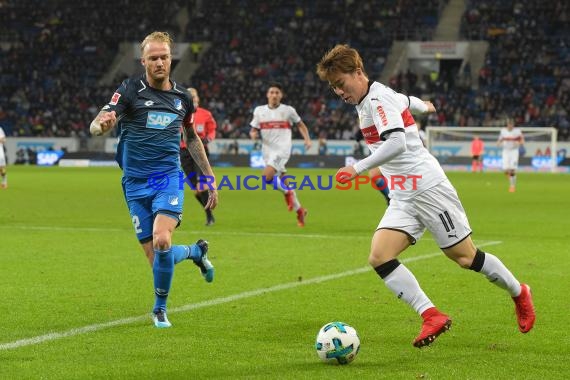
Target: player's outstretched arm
[416,105]
[430,106]
[196,149]
[103,122]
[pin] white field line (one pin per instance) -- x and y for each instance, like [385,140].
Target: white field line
[225,233]
[199,305]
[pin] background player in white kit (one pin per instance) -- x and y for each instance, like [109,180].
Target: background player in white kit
[275,121]
[511,139]
[392,137]
[3,174]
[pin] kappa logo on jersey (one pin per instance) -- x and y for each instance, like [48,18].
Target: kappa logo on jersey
[115,99]
[178,104]
[160,120]
[173,200]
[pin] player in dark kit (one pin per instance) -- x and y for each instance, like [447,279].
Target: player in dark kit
[205,127]
[152,109]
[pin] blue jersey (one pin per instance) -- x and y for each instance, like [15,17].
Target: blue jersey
[149,122]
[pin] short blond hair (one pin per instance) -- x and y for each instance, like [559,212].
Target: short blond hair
[342,59]
[157,37]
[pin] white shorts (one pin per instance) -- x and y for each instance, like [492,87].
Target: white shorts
[438,209]
[510,159]
[2,157]
[277,160]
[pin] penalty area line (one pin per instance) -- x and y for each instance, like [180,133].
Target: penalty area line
[199,305]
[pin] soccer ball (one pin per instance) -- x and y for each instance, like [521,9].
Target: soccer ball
[337,342]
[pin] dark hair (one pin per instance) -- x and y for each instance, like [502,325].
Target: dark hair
[275,84]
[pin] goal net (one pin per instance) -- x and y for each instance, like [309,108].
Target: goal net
[452,146]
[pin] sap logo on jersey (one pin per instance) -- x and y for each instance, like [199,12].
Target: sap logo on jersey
[160,120]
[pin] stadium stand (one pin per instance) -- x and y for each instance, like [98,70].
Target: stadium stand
[51,63]
[52,58]
[526,72]
[282,41]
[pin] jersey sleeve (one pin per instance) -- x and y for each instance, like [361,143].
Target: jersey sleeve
[2,134]
[293,115]
[255,121]
[121,99]
[415,105]
[387,115]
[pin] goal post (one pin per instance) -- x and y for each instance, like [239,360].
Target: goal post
[452,142]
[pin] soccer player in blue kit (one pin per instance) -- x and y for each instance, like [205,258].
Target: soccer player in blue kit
[150,109]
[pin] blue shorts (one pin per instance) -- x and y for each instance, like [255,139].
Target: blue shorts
[148,197]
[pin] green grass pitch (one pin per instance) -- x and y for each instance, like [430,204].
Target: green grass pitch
[77,290]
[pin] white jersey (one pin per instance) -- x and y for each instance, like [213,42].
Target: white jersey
[510,140]
[275,126]
[2,157]
[412,172]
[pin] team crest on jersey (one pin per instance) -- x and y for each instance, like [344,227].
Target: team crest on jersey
[160,120]
[178,104]
[115,99]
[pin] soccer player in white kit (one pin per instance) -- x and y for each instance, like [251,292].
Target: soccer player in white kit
[3,174]
[274,121]
[425,200]
[511,139]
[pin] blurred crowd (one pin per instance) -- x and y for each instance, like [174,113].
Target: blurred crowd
[54,53]
[281,41]
[53,56]
[526,74]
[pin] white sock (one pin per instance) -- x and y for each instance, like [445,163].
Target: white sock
[279,185]
[498,274]
[405,286]
[296,203]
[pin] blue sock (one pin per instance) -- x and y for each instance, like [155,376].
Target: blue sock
[163,270]
[180,253]
[195,252]
[383,186]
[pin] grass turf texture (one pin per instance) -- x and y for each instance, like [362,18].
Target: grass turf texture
[69,259]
